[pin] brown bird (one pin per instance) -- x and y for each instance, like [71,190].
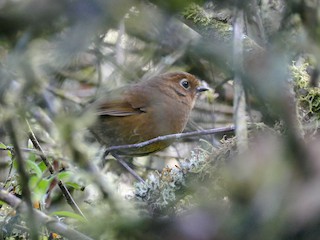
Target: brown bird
[145,110]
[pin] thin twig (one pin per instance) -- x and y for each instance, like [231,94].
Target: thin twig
[171,137]
[24,180]
[63,188]
[29,150]
[166,62]
[50,222]
[128,168]
[65,95]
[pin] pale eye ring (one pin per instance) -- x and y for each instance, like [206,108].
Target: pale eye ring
[185,83]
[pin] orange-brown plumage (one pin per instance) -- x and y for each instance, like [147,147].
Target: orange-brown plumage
[142,111]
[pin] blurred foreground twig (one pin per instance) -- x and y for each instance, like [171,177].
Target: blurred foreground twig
[50,222]
[24,179]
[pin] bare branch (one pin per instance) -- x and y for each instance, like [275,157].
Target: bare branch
[172,137]
[24,180]
[239,101]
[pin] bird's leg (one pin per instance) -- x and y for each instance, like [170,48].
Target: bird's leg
[103,161]
[127,167]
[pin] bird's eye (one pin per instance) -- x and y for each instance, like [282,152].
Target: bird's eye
[185,84]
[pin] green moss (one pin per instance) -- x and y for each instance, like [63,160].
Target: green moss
[174,189]
[208,27]
[300,75]
[308,97]
[160,190]
[196,14]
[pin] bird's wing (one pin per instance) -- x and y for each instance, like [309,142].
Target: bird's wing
[124,102]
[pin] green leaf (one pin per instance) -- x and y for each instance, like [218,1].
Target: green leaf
[64,175]
[74,185]
[68,214]
[33,181]
[2,145]
[15,164]
[39,187]
[42,166]
[43,186]
[32,157]
[33,167]
[9,152]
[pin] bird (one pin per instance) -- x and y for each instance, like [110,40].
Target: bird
[145,110]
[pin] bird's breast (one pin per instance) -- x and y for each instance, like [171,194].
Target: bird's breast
[170,115]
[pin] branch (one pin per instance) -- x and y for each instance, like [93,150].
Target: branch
[239,101]
[50,222]
[172,137]
[24,180]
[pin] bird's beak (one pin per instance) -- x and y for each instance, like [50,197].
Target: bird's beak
[202,89]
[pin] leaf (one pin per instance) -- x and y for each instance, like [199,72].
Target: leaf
[10,154]
[42,166]
[33,167]
[68,214]
[32,157]
[43,186]
[74,185]
[9,147]
[64,175]
[3,145]
[39,187]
